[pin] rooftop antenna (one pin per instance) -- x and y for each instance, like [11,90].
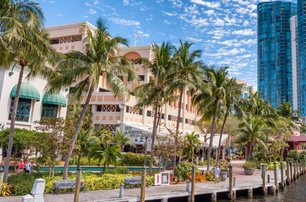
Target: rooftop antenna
[137,35]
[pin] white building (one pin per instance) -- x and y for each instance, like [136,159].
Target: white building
[34,101]
[295,66]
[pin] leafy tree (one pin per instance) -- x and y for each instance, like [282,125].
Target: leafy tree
[184,76]
[23,43]
[84,70]
[155,92]
[25,142]
[208,98]
[51,140]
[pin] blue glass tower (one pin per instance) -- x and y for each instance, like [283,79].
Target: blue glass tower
[302,54]
[274,51]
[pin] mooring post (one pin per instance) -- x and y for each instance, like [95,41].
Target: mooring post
[282,175]
[291,173]
[121,191]
[188,186]
[193,184]
[294,171]
[275,178]
[263,176]
[230,182]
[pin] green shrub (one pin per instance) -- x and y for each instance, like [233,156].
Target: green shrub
[183,170]
[22,183]
[293,155]
[132,159]
[250,165]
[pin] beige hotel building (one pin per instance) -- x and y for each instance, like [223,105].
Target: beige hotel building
[114,113]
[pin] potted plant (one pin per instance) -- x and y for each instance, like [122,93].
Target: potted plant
[249,167]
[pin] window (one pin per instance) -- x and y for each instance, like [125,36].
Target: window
[23,109]
[49,111]
[149,113]
[169,117]
[141,77]
[99,108]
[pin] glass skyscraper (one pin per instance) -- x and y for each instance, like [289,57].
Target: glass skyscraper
[302,54]
[274,51]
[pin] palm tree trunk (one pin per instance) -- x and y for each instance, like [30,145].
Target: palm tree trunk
[76,131]
[155,125]
[12,126]
[177,128]
[221,133]
[212,133]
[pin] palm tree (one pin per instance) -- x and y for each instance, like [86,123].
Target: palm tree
[155,93]
[24,44]
[252,133]
[184,75]
[231,98]
[120,139]
[208,98]
[191,145]
[84,69]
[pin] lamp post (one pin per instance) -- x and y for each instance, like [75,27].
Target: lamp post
[1,143]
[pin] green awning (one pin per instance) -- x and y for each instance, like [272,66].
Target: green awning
[54,99]
[27,91]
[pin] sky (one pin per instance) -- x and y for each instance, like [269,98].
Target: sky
[225,30]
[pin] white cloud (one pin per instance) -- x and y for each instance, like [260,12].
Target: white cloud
[121,21]
[206,3]
[244,32]
[194,40]
[92,11]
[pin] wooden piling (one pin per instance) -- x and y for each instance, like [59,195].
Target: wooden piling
[275,178]
[282,175]
[192,198]
[250,193]
[291,173]
[287,172]
[263,176]
[230,182]
[214,196]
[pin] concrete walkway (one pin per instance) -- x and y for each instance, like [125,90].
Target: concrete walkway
[242,182]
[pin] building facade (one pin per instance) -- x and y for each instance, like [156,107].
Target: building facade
[301,15]
[34,102]
[111,112]
[274,51]
[295,65]
[247,90]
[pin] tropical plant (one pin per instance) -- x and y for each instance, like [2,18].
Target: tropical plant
[191,145]
[231,99]
[120,139]
[208,98]
[83,71]
[252,133]
[183,170]
[23,43]
[155,93]
[184,76]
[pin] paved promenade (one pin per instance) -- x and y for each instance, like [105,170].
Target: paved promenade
[242,182]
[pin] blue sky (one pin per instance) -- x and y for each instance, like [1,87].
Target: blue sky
[225,30]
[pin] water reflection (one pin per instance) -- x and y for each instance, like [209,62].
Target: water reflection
[296,192]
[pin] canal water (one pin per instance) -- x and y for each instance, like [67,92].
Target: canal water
[296,192]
